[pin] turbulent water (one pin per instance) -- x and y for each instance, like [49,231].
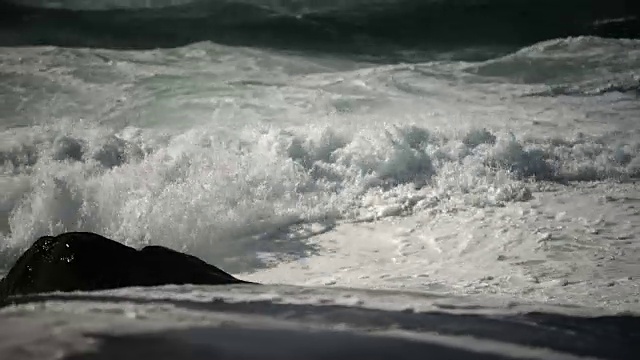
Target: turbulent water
[248,132]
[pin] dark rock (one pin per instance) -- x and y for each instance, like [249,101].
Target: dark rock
[86,261]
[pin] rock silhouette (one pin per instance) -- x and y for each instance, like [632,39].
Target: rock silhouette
[87,261]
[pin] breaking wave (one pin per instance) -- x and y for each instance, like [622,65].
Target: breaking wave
[195,190]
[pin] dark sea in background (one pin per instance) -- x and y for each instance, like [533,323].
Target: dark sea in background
[388,29]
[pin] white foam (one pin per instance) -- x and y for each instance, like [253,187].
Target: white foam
[246,157]
[203,193]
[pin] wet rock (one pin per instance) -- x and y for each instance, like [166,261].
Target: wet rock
[80,261]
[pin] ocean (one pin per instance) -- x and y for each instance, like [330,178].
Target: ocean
[440,152]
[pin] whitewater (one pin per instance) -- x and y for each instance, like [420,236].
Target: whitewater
[388,175]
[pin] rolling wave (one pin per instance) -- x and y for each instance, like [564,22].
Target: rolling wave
[381,26]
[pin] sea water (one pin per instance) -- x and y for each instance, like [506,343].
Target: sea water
[459,147]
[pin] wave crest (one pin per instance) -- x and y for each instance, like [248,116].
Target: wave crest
[204,191]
